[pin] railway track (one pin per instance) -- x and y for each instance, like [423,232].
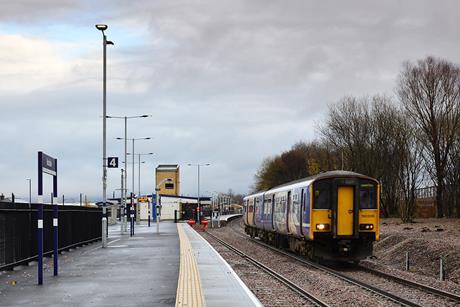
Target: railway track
[388,295]
[291,285]
[441,293]
[448,296]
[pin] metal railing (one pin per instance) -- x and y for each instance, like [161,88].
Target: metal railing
[18,230]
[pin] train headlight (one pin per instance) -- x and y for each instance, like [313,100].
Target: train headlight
[366,226]
[322,226]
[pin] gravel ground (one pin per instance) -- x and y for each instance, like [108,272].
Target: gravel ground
[268,290]
[328,288]
[412,294]
[425,240]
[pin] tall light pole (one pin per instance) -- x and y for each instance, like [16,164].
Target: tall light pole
[132,191]
[198,208]
[30,191]
[138,209]
[125,118]
[105,42]
[157,201]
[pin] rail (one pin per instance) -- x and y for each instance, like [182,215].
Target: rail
[438,292]
[388,295]
[305,294]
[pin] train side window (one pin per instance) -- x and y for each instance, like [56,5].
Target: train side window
[322,195]
[367,195]
[267,205]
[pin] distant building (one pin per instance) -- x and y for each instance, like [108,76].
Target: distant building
[164,171]
[184,205]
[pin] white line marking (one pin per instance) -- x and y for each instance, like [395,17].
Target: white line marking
[100,246]
[113,241]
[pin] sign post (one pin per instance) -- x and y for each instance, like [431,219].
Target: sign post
[48,165]
[131,215]
[154,207]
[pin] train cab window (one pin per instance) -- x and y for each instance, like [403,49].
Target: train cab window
[322,195]
[367,195]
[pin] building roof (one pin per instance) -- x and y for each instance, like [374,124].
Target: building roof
[167,167]
[202,198]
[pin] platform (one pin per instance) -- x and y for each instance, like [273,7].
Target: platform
[133,271]
[218,284]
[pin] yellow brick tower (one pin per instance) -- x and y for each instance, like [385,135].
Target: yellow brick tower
[171,171]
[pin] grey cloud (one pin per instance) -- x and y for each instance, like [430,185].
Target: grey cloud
[227,82]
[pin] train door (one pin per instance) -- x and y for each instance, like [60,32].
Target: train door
[272,212]
[345,212]
[288,209]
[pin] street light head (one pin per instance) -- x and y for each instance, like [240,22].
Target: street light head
[120,138]
[101,27]
[189,164]
[207,164]
[148,138]
[109,43]
[145,115]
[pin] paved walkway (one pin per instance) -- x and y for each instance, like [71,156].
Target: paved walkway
[137,271]
[148,269]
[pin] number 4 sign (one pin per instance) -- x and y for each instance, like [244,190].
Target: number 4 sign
[112,162]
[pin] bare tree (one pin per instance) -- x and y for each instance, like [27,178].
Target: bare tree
[364,130]
[410,172]
[302,160]
[430,93]
[453,180]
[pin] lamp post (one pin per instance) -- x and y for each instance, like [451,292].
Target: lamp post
[125,118]
[198,208]
[132,191]
[30,191]
[138,209]
[157,201]
[105,42]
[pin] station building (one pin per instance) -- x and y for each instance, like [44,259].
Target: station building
[185,206]
[172,203]
[170,198]
[165,171]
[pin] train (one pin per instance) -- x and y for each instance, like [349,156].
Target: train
[330,216]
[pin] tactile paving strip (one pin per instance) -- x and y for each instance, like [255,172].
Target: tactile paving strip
[189,291]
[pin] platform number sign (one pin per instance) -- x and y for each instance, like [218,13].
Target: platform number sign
[112,162]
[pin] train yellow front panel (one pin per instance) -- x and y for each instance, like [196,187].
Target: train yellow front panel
[345,211]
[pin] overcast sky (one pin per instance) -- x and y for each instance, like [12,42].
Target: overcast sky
[226,82]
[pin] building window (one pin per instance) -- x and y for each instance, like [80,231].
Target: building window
[169,185]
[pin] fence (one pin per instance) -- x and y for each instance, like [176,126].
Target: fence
[427,192]
[18,230]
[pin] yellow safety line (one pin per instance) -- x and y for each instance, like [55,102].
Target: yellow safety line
[189,292]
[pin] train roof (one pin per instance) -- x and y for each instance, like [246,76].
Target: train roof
[324,175]
[309,180]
